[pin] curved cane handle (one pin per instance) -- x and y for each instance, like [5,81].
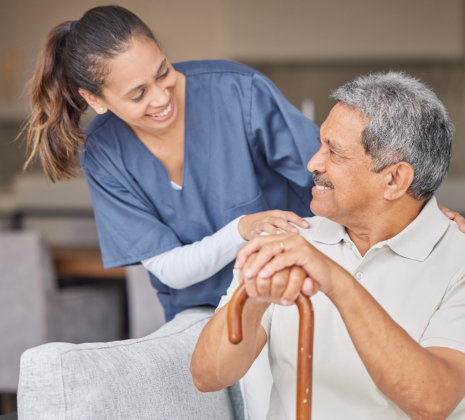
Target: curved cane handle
[305,346]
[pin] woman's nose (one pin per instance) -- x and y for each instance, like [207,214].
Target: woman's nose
[160,97]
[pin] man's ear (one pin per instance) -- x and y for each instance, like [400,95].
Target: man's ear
[398,179]
[94,102]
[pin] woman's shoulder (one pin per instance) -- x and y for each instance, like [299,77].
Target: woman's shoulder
[190,68]
[237,72]
[102,135]
[106,129]
[102,123]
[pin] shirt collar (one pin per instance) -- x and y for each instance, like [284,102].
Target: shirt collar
[328,232]
[418,239]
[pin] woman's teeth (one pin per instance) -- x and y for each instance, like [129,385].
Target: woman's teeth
[165,112]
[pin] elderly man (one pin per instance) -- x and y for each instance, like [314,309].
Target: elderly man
[385,266]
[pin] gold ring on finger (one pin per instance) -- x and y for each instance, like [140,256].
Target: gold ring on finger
[281,244]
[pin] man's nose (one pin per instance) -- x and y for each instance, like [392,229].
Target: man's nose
[317,162]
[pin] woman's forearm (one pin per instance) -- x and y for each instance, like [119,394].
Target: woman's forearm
[190,264]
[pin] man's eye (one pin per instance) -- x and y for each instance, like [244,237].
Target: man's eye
[138,98]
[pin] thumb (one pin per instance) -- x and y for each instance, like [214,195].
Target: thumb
[310,287]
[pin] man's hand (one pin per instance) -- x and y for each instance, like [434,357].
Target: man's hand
[282,287]
[264,256]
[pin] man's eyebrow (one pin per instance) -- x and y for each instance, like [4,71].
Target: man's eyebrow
[134,89]
[334,145]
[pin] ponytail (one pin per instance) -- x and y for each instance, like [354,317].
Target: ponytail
[53,131]
[75,55]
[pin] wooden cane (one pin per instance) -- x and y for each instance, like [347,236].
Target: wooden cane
[305,346]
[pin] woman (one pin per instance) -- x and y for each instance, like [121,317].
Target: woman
[176,155]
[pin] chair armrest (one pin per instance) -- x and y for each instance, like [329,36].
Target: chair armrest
[146,378]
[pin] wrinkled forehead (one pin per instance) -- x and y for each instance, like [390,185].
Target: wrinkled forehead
[344,125]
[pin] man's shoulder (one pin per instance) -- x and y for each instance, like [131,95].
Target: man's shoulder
[322,229]
[453,241]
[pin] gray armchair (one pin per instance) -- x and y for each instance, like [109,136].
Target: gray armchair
[34,310]
[145,313]
[142,379]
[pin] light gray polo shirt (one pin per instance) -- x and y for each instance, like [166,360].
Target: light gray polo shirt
[418,277]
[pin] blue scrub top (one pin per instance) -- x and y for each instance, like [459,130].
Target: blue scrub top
[246,150]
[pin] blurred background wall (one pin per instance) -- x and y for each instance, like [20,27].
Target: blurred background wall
[307,47]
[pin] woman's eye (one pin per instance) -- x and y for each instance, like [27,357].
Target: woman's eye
[138,98]
[162,76]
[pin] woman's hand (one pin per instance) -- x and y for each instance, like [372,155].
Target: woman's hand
[456,217]
[271,221]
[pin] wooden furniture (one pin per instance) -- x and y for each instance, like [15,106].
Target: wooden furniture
[82,262]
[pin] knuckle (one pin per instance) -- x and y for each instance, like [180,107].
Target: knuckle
[279,279]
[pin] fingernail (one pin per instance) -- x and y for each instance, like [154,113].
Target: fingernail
[305,224]
[263,274]
[293,229]
[248,273]
[285,302]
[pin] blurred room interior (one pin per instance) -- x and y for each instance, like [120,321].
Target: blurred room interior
[307,47]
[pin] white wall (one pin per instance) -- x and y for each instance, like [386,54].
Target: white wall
[328,30]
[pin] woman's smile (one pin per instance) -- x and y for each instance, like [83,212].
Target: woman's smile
[164,114]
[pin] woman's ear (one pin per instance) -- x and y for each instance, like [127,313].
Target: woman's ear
[94,102]
[398,179]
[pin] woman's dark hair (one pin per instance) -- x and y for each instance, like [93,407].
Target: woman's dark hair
[75,55]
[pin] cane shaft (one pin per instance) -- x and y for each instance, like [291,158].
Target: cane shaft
[305,345]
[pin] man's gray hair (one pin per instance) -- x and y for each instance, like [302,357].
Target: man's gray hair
[407,122]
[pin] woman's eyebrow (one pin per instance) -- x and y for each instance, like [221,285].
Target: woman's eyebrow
[161,66]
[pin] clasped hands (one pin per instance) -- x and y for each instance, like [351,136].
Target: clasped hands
[276,268]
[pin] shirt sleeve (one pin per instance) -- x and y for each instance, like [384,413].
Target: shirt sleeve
[129,229]
[282,133]
[447,325]
[184,266]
